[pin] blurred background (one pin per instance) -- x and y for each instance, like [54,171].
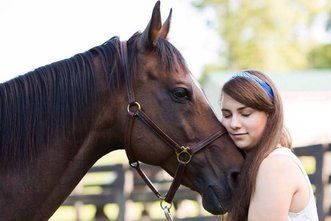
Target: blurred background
[288,39]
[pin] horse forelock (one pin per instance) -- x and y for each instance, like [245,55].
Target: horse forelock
[171,59]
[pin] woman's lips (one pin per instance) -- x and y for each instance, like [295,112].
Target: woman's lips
[238,135]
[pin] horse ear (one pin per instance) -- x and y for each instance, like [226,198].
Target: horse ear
[166,26]
[152,31]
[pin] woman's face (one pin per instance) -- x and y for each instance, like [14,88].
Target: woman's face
[244,124]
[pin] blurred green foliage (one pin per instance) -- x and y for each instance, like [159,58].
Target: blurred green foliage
[320,57]
[269,35]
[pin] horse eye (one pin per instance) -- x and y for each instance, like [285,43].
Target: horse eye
[181,94]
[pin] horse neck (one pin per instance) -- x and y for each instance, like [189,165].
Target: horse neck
[55,110]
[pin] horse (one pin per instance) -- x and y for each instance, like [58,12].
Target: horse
[59,119]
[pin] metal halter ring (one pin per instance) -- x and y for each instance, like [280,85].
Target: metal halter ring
[165,205]
[128,108]
[180,155]
[134,164]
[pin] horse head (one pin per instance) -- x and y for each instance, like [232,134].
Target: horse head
[166,91]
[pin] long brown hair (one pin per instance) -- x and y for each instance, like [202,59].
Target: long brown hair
[249,93]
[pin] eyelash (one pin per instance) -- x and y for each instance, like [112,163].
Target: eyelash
[244,115]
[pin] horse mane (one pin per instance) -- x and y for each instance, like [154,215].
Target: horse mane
[48,102]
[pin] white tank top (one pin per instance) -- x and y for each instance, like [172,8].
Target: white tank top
[309,213]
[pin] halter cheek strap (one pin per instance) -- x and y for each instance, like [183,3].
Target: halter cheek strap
[184,154]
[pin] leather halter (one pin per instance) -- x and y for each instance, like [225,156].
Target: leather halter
[184,154]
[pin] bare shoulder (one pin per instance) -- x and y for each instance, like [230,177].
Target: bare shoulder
[279,169]
[275,187]
[278,164]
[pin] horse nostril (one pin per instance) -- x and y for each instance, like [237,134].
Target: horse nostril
[234,178]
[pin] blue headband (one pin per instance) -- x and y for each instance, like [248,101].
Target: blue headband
[263,85]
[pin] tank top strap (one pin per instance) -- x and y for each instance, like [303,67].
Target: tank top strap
[288,152]
[309,213]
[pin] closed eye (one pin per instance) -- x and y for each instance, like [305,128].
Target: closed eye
[226,114]
[246,115]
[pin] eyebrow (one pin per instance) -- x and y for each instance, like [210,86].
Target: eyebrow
[239,109]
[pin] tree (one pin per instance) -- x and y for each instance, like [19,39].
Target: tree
[320,57]
[261,34]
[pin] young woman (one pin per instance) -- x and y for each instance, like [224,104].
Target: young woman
[273,184]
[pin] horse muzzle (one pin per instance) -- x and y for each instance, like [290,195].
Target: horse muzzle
[216,199]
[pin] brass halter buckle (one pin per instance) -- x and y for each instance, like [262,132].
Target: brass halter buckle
[132,105]
[184,156]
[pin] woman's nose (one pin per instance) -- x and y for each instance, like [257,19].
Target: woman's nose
[235,123]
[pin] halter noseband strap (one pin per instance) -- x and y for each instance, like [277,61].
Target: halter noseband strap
[184,154]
